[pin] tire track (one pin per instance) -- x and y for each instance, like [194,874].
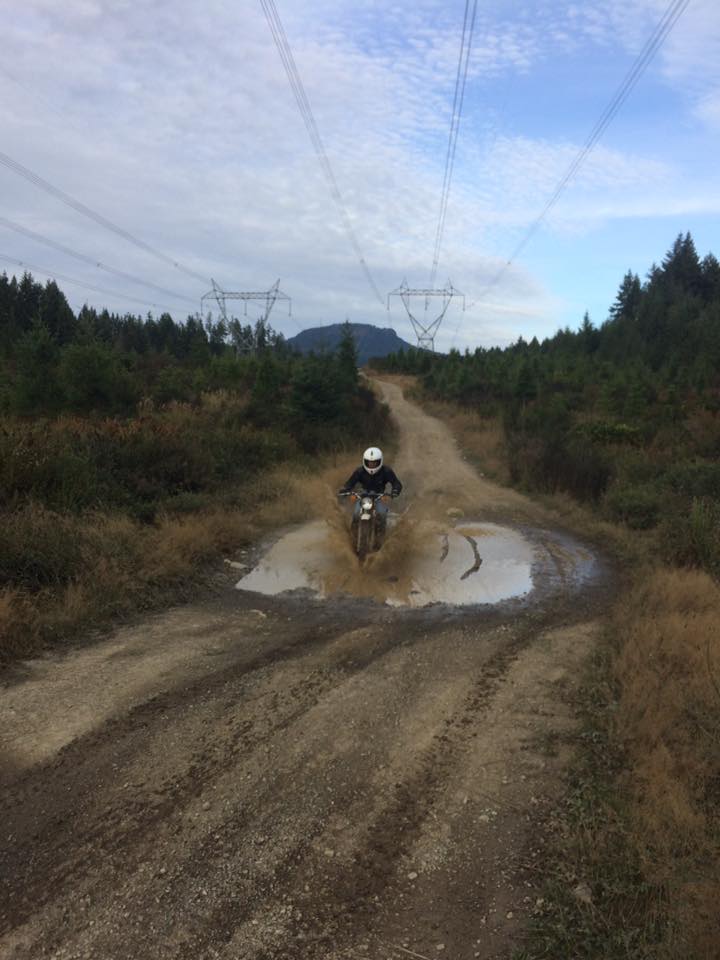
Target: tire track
[76,840]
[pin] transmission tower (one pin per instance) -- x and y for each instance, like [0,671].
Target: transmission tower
[425,331]
[268,297]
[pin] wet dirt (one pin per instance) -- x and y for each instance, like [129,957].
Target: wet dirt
[462,564]
[433,552]
[270,776]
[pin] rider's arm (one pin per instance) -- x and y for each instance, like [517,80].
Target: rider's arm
[351,481]
[394,482]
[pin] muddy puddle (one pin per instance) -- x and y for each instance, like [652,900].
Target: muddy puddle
[463,563]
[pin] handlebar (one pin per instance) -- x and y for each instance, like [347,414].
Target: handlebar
[366,493]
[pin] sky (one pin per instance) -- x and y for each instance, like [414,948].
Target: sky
[176,122]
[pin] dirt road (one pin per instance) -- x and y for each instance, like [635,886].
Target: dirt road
[287,777]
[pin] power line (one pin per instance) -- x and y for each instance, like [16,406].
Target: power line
[458,98]
[283,47]
[53,275]
[656,39]
[40,238]
[98,218]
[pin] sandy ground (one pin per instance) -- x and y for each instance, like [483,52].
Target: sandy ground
[279,777]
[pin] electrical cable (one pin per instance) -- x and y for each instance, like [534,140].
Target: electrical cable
[98,218]
[662,30]
[458,99]
[40,238]
[51,274]
[303,103]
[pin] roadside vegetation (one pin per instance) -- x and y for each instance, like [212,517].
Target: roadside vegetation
[133,452]
[623,420]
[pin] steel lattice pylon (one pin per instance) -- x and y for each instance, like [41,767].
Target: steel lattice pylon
[425,332]
[269,297]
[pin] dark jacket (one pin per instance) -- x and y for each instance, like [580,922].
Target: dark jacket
[374,482]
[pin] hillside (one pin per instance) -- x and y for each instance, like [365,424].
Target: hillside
[371,341]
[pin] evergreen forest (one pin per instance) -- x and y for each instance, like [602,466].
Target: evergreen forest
[134,451]
[625,416]
[101,409]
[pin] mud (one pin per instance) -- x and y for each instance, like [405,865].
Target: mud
[434,551]
[273,777]
[462,564]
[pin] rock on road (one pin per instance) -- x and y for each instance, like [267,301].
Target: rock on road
[255,777]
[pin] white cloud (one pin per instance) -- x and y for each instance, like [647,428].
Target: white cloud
[177,122]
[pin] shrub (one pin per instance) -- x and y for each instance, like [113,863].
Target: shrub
[636,506]
[48,462]
[695,479]
[609,431]
[586,470]
[693,539]
[41,548]
[93,378]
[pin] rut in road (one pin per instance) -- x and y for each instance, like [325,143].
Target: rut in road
[295,779]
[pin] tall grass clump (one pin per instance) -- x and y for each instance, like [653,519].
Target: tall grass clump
[668,720]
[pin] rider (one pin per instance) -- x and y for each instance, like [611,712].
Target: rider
[373,477]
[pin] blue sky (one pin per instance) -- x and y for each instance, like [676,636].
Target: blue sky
[176,121]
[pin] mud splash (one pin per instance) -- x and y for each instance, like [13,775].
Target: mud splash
[461,563]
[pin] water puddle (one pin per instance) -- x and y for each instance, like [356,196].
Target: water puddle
[466,563]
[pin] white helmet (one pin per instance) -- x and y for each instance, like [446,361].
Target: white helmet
[372,459]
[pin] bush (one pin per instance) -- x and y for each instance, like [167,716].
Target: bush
[693,539]
[586,470]
[44,462]
[695,479]
[608,431]
[92,378]
[636,506]
[41,548]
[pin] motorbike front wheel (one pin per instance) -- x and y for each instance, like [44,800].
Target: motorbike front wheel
[363,543]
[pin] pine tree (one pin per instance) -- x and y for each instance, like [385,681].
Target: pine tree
[627,301]
[54,311]
[347,359]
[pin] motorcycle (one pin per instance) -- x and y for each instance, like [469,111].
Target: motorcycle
[367,530]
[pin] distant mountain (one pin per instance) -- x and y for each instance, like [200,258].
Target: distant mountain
[371,341]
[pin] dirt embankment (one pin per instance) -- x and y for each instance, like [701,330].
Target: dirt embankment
[278,777]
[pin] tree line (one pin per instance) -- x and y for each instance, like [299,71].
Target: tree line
[96,362]
[107,411]
[625,414]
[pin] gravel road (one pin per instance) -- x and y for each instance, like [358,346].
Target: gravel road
[260,777]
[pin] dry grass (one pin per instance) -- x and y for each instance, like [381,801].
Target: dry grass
[643,818]
[19,632]
[93,567]
[669,721]
[481,438]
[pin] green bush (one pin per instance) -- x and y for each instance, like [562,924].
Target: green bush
[41,548]
[608,431]
[38,462]
[636,506]
[700,478]
[693,538]
[92,377]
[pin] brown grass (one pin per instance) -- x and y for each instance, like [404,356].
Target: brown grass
[123,566]
[482,438]
[669,721]
[649,836]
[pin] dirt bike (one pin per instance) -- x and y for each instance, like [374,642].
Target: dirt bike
[367,529]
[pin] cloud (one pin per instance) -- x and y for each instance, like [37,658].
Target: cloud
[688,60]
[177,122]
